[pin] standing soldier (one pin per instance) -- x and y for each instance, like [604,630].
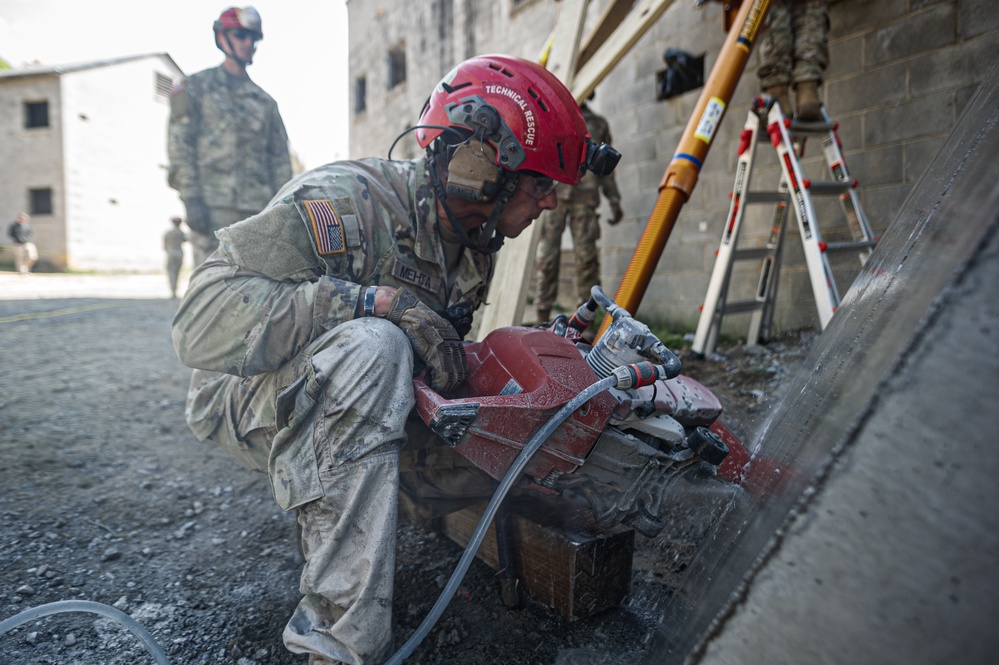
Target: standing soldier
[577,206]
[794,52]
[227,143]
[173,244]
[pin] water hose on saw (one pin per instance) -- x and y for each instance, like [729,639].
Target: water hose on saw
[623,377]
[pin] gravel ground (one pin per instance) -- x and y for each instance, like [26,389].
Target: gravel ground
[107,497]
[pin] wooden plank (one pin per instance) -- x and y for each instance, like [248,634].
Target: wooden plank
[563,560]
[644,14]
[608,22]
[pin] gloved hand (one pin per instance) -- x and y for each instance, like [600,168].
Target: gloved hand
[199,217]
[616,213]
[434,340]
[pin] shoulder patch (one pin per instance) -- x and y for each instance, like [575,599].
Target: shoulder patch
[325,224]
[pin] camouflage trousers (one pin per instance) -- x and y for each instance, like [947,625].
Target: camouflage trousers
[585,227]
[795,46]
[203,245]
[173,264]
[330,428]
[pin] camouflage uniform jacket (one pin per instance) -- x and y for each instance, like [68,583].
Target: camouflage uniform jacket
[285,276]
[226,141]
[587,192]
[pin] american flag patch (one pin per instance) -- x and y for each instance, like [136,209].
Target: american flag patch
[326,226]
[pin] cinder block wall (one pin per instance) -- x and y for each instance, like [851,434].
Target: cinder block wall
[900,73]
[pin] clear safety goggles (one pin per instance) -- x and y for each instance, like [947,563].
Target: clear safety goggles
[536,185]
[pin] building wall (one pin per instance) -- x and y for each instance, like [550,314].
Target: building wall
[103,156]
[117,199]
[900,73]
[31,159]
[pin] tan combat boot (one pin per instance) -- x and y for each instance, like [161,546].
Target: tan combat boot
[808,104]
[544,315]
[780,93]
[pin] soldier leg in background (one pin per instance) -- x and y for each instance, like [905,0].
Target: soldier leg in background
[25,257]
[776,53]
[585,226]
[20,259]
[174,262]
[548,261]
[811,55]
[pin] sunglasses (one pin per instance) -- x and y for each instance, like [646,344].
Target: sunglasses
[536,185]
[241,34]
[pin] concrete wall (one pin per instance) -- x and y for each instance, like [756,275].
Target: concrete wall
[117,198]
[875,539]
[901,71]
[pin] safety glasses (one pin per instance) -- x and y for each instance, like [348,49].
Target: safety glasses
[241,34]
[536,185]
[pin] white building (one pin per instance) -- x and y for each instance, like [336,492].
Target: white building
[83,151]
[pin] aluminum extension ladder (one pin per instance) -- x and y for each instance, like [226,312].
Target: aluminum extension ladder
[787,136]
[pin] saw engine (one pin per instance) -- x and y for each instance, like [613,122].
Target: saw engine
[622,452]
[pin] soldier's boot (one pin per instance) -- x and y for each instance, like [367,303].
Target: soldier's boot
[808,104]
[781,94]
[544,315]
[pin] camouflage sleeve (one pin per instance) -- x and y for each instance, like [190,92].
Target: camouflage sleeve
[240,322]
[182,150]
[279,154]
[608,185]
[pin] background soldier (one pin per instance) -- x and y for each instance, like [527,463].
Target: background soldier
[794,52]
[379,267]
[25,252]
[227,143]
[577,206]
[173,244]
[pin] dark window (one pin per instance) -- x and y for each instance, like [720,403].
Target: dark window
[36,114]
[360,94]
[396,66]
[163,85]
[41,201]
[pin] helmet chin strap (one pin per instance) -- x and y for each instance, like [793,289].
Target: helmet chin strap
[487,239]
[232,51]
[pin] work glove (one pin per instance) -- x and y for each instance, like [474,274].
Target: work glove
[616,213]
[199,217]
[434,341]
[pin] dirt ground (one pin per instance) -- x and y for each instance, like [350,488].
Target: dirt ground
[107,497]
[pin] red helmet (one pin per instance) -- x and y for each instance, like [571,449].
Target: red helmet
[234,18]
[540,126]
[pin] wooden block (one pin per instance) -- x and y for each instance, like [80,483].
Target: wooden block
[563,560]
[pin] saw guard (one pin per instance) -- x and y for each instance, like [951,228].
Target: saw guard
[518,378]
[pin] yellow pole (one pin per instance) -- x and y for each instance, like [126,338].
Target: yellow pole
[681,174]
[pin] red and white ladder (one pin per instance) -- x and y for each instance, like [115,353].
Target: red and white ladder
[787,136]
